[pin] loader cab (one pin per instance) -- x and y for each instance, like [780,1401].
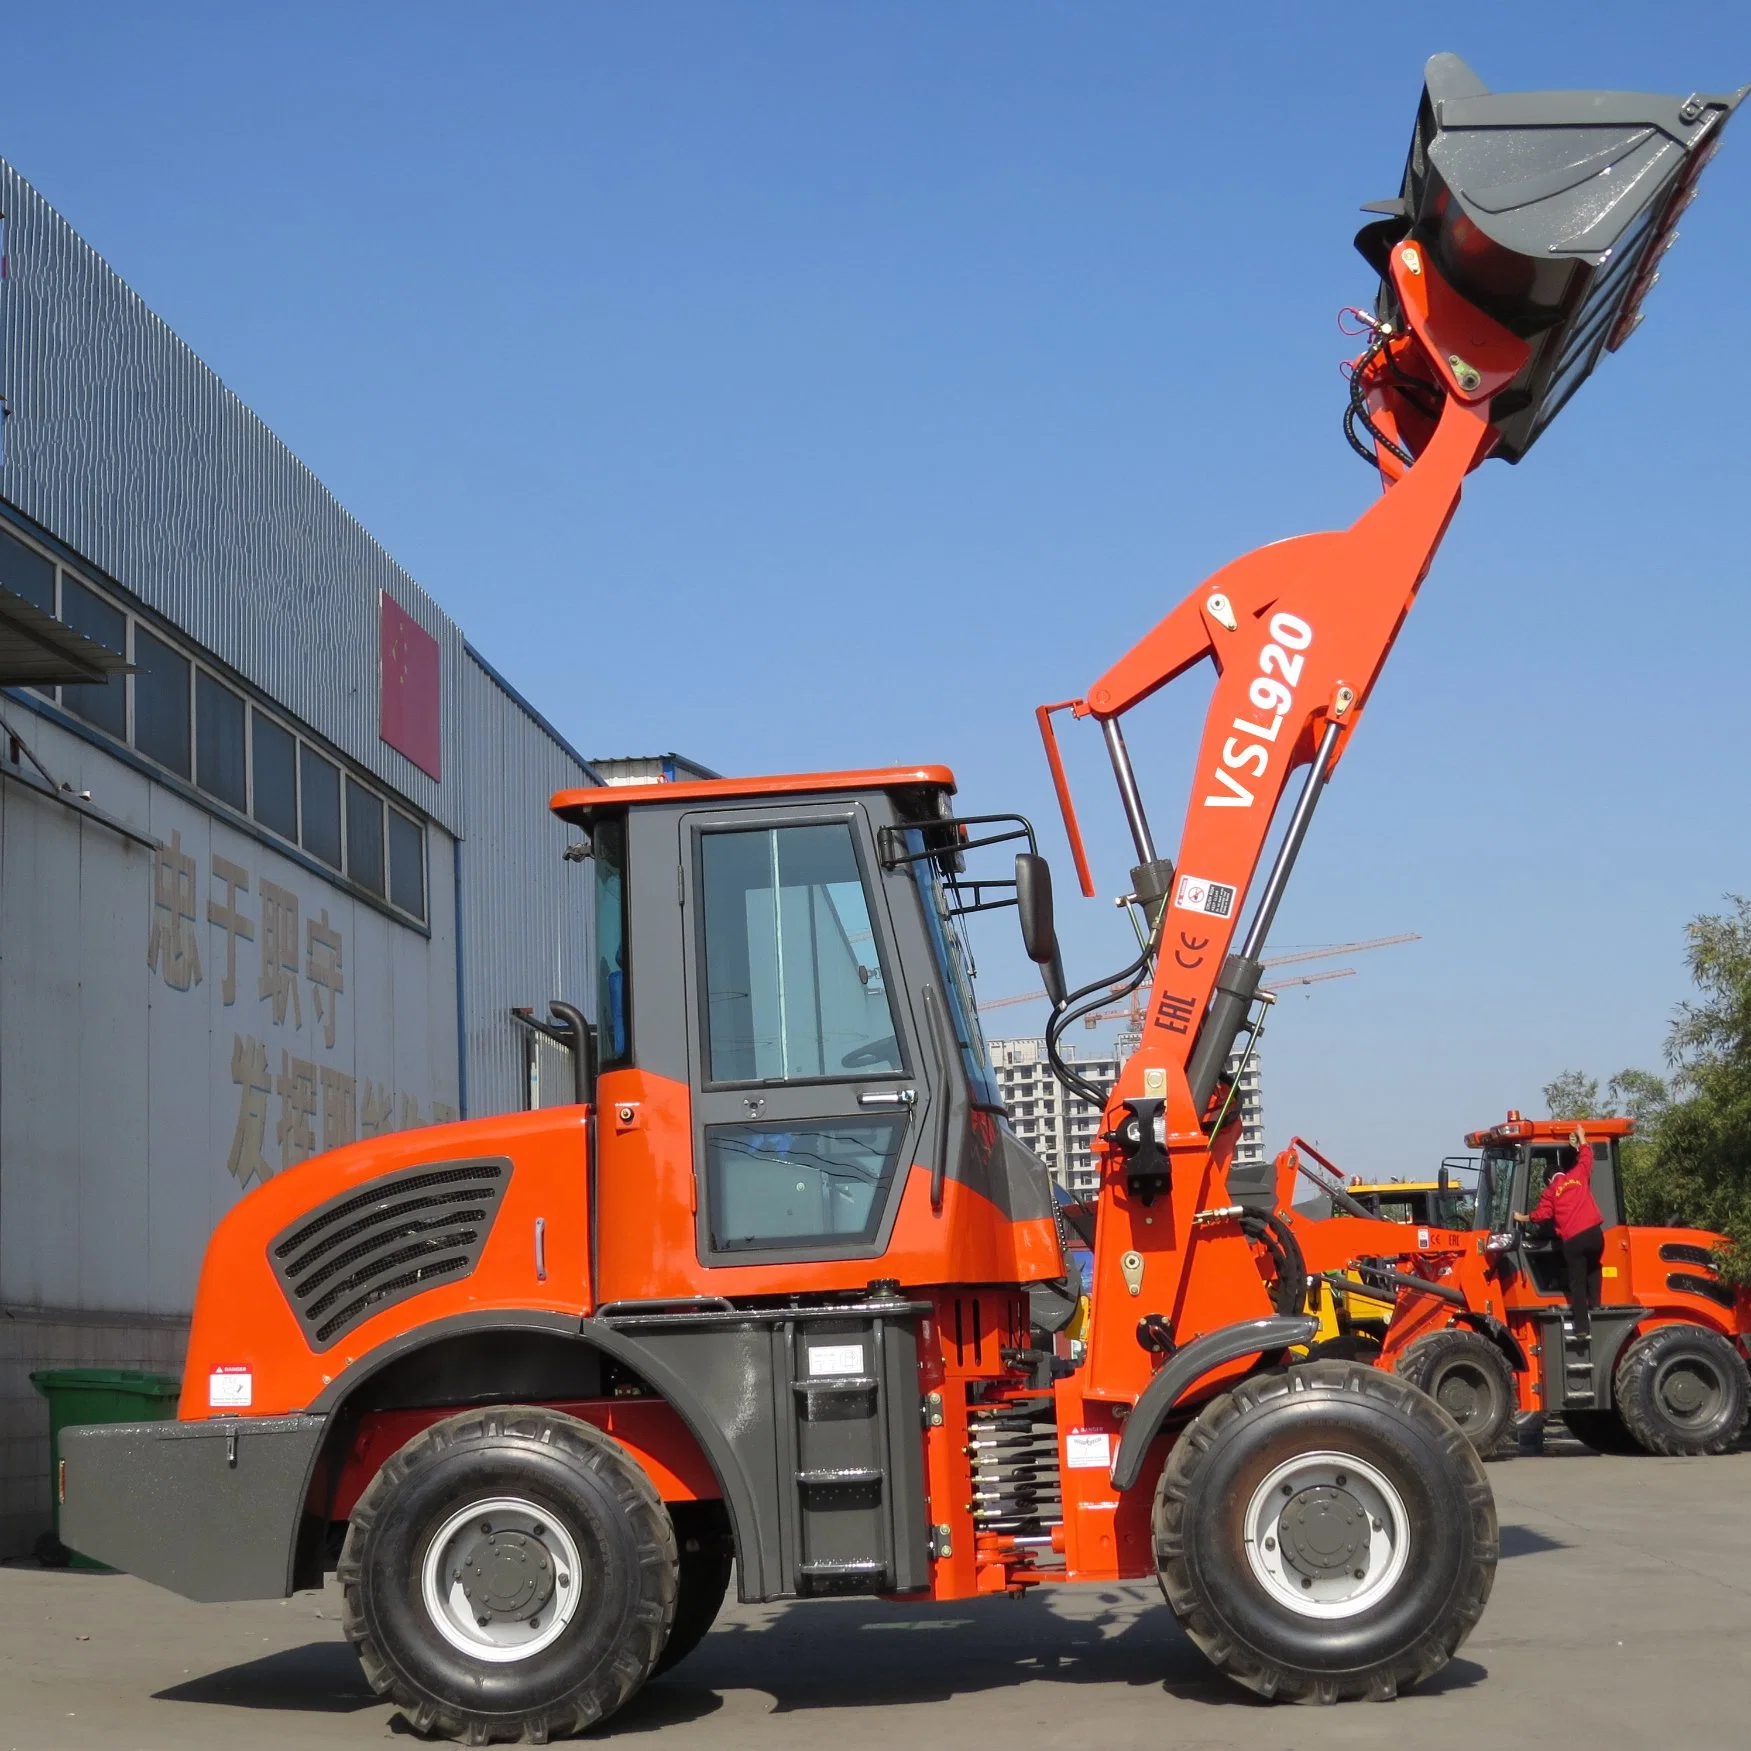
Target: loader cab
[1438,1203]
[1519,1159]
[794,1096]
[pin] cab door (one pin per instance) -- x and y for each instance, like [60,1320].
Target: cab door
[1541,1254]
[807,1081]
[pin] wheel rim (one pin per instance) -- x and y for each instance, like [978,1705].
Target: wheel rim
[1464,1394]
[1689,1390]
[1327,1535]
[501,1579]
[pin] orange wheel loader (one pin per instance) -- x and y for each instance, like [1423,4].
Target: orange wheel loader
[780,1289]
[1662,1368]
[1410,1296]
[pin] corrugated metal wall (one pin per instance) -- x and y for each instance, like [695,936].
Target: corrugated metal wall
[120,1094]
[122,443]
[525,910]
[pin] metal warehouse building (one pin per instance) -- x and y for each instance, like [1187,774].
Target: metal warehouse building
[275,886]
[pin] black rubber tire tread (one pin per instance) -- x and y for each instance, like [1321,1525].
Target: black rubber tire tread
[705,1565]
[599,1464]
[1461,1512]
[1423,1363]
[1638,1403]
[1602,1430]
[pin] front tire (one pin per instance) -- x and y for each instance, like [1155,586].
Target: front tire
[510,1574]
[1325,1534]
[1469,1378]
[1683,1391]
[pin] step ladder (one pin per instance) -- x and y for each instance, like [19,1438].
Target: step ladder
[1577,1365]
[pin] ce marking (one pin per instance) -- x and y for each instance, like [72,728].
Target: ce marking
[1196,944]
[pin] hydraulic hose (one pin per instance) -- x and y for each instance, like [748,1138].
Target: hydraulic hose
[1289,1292]
[1078,1003]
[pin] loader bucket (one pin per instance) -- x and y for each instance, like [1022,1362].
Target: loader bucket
[1549,211]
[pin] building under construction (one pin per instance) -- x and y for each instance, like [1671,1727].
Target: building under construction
[1061,1129]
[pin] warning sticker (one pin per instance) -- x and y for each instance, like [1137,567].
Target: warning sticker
[836,1359]
[1194,894]
[230,1389]
[1088,1452]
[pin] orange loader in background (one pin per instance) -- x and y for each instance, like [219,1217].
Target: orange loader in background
[1663,1369]
[782,1287]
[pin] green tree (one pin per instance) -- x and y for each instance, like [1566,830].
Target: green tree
[1630,1094]
[1703,1137]
[1574,1095]
[1689,1163]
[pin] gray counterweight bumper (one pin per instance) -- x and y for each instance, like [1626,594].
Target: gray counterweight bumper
[211,1510]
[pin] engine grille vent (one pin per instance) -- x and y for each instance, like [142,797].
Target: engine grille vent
[1688,1283]
[1683,1252]
[380,1243]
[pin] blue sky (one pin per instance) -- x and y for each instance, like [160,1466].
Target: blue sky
[827,385]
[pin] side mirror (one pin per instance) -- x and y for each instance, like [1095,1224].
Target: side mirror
[1039,935]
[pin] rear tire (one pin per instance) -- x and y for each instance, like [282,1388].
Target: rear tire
[702,1535]
[1325,1534]
[1603,1431]
[1469,1378]
[1683,1391]
[509,1574]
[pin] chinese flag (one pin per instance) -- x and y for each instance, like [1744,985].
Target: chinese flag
[409,714]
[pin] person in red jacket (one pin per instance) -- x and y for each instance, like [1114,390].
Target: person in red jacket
[1580,1227]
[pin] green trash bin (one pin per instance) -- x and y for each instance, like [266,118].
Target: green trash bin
[95,1395]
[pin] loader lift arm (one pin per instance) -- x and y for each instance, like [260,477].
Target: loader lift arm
[1516,254]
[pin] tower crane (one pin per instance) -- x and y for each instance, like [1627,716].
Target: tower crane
[1132,1012]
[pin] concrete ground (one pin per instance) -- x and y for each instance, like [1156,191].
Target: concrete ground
[1619,1621]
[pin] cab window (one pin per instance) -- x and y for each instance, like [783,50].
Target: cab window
[795,988]
[1545,1163]
[1496,1189]
[807,1181]
[613,1031]
[952,962]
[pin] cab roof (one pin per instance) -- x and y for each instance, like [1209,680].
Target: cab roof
[1515,1129]
[582,806]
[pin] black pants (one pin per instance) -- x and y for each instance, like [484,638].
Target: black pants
[1582,1253]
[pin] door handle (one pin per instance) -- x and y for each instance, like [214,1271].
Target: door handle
[897,1097]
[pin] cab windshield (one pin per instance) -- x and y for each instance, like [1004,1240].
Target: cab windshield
[1423,1205]
[954,963]
[1495,1189]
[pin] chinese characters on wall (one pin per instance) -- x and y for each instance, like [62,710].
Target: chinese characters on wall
[289,1104]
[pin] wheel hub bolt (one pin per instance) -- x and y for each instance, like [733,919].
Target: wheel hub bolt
[486,1526]
[1378,1527]
[1307,1580]
[565,1580]
[1287,1491]
[1270,1544]
[1360,1574]
[1342,1480]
